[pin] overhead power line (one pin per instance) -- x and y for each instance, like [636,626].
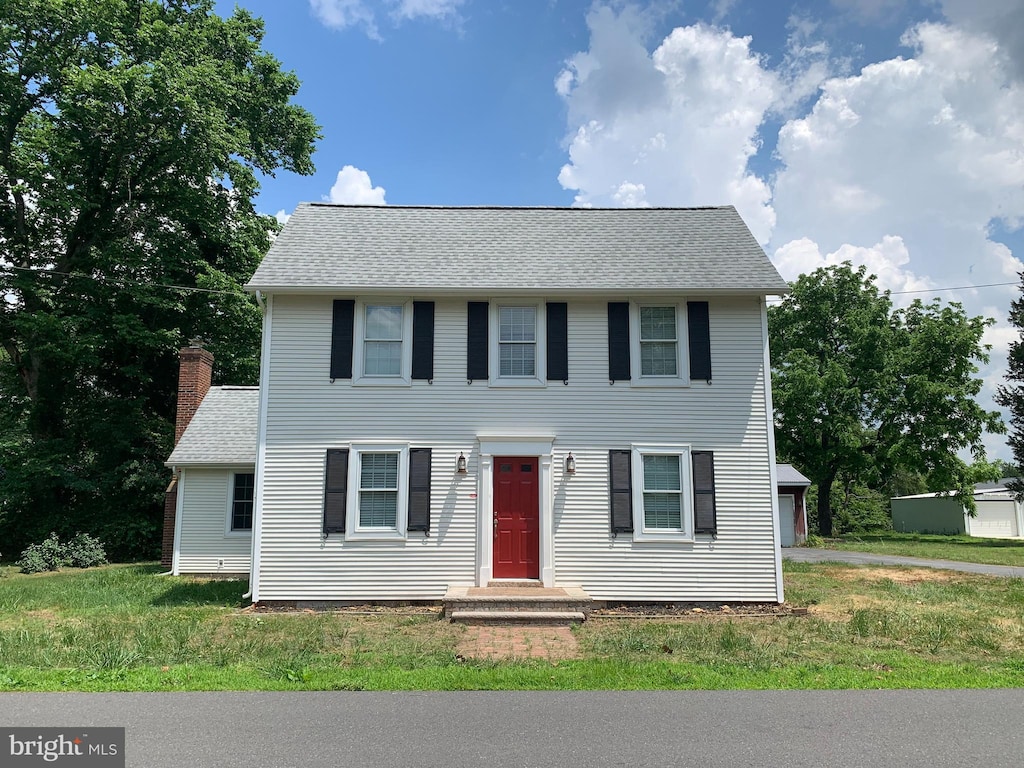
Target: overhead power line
[124,281]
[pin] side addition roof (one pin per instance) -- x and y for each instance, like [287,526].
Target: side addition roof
[501,251]
[223,430]
[787,474]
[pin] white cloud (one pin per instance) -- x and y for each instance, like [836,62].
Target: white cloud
[353,187]
[886,260]
[282,217]
[430,9]
[340,14]
[672,127]
[926,148]
[1003,20]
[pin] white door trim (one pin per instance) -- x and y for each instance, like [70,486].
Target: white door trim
[509,445]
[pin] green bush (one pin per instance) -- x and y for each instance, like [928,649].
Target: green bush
[85,551]
[51,554]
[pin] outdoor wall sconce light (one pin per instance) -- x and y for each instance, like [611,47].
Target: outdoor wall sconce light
[570,464]
[460,464]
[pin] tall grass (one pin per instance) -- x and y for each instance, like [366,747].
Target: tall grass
[127,628]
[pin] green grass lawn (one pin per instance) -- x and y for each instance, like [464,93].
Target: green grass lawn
[963,548]
[125,628]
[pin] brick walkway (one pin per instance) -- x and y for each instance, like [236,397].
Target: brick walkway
[520,642]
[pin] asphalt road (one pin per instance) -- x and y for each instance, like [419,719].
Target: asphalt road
[811,555]
[838,729]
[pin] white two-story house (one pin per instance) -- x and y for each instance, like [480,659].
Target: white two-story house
[465,395]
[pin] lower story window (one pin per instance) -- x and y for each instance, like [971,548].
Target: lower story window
[378,490]
[378,497]
[662,493]
[242,501]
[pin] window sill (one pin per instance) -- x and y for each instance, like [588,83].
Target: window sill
[511,383]
[660,383]
[368,381]
[663,538]
[375,536]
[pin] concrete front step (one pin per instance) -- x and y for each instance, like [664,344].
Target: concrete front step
[534,618]
[513,603]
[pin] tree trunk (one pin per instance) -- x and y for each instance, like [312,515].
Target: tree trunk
[825,505]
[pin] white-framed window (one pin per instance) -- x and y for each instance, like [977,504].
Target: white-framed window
[662,493]
[378,500]
[658,351]
[383,332]
[517,343]
[240,504]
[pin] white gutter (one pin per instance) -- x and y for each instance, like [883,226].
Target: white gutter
[769,414]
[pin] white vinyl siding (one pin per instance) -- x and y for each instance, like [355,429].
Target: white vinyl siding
[206,544]
[308,414]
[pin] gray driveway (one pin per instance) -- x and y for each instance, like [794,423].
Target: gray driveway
[810,555]
[506,729]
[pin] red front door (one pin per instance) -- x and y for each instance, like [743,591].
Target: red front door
[516,518]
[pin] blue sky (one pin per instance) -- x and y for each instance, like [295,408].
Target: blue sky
[885,132]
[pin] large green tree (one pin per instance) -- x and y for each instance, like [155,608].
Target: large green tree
[132,137]
[863,391]
[1011,394]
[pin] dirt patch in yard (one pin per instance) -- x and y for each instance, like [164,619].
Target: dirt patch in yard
[898,575]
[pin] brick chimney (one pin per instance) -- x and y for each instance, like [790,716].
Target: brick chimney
[195,371]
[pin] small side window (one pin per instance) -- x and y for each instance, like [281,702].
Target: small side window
[242,495]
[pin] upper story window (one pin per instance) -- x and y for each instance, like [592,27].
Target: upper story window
[658,344]
[517,341]
[517,344]
[659,341]
[383,336]
[382,340]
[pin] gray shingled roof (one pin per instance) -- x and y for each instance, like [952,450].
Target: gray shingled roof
[223,431]
[436,250]
[786,474]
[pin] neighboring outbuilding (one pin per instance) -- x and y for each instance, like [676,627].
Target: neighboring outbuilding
[792,492]
[464,396]
[999,514]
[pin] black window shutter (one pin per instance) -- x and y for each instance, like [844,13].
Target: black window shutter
[335,490]
[476,341]
[558,341]
[618,340]
[621,491]
[699,329]
[341,338]
[423,340]
[705,519]
[419,489]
